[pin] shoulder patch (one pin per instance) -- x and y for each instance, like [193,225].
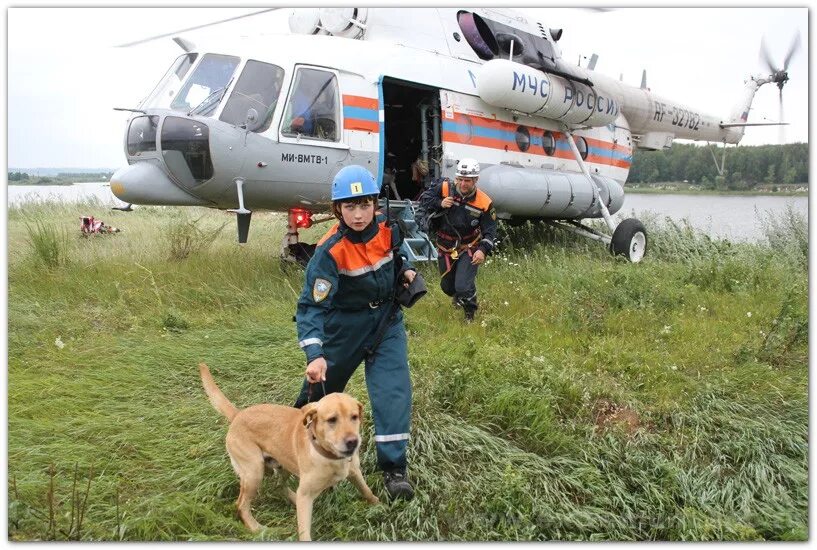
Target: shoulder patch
[320,290]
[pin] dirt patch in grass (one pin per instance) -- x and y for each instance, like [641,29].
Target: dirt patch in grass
[608,415]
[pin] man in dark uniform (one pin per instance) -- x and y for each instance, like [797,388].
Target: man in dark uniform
[463,221]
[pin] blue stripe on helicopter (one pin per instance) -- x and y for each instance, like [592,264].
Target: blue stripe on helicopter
[510,137]
[360,113]
[480,131]
[562,145]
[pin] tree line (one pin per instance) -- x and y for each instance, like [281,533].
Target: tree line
[745,167]
[18,176]
[61,177]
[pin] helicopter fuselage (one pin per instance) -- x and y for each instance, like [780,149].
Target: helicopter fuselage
[235,114]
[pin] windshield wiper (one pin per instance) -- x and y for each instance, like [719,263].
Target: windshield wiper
[221,91]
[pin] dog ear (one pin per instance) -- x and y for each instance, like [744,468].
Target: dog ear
[310,410]
[359,410]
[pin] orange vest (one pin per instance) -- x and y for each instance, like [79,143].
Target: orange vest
[358,258]
[479,200]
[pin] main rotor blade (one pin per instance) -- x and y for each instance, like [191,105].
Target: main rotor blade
[765,57]
[157,37]
[795,45]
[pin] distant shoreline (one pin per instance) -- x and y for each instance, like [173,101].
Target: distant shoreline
[44,181]
[737,193]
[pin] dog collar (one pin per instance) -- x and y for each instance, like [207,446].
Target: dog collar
[321,451]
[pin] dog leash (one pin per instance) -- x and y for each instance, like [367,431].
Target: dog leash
[309,390]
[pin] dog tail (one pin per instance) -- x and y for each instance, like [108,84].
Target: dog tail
[217,399]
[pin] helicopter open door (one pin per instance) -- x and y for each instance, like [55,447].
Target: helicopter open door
[413,146]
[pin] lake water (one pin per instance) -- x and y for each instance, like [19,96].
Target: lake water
[20,194]
[730,216]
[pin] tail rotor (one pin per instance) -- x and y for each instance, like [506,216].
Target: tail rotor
[779,75]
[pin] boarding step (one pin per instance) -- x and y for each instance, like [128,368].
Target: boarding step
[417,247]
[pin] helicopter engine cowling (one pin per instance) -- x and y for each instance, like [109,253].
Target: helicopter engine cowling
[514,86]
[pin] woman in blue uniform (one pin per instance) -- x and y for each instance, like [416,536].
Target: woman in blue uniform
[349,289]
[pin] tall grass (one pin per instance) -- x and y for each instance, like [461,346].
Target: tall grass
[186,237]
[49,243]
[591,400]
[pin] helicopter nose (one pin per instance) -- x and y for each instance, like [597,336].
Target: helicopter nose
[145,183]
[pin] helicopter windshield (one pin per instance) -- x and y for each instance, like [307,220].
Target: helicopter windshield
[257,89]
[212,73]
[172,80]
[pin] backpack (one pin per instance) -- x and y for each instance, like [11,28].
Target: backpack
[426,222]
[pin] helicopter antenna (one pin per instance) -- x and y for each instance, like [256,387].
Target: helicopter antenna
[165,35]
[186,45]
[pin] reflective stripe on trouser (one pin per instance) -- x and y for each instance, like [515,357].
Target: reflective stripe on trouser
[347,333]
[460,281]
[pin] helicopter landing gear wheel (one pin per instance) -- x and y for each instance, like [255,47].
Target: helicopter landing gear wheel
[629,240]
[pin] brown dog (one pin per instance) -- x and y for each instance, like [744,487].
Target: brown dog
[318,443]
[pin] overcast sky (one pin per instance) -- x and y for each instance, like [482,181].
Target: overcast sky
[65,75]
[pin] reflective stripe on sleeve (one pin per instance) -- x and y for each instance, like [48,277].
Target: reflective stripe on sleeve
[392,437]
[309,342]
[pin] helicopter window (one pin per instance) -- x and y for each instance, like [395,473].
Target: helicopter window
[211,75]
[522,138]
[312,110]
[549,143]
[142,134]
[172,80]
[257,88]
[581,145]
[186,149]
[478,35]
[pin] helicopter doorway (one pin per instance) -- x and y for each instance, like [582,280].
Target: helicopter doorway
[413,148]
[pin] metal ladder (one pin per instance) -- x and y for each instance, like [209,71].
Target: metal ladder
[417,247]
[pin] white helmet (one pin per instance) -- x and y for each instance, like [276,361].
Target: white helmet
[468,168]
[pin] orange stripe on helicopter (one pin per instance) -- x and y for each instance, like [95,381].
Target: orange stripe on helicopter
[360,101]
[358,124]
[497,134]
[360,113]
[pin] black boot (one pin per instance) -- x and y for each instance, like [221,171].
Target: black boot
[469,315]
[397,484]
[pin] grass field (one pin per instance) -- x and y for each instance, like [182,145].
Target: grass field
[591,400]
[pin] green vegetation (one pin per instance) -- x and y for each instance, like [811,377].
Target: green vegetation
[62,178]
[681,188]
[747,168]
[591,400]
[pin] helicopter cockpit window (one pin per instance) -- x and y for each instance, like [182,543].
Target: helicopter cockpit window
[312,110]
[254,96]
[211,76]
[142,134]
[170,83]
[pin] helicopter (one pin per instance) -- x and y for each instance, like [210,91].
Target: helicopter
[264,123]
